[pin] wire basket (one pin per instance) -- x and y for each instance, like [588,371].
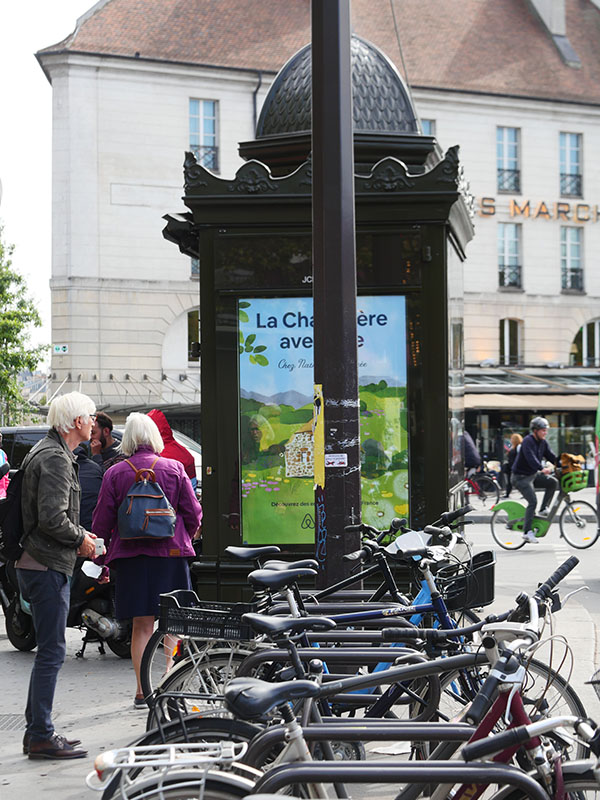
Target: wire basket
[574,481]
[471,584]
[183,613]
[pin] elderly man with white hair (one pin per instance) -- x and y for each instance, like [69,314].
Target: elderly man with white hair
[52,540]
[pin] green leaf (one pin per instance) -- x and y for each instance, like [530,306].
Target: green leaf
[252,360]
[18,314]
[261,360]
[241,338]
[243,304]
[244,317]
[249,348]
[260,348]
[241,349]
[251,338]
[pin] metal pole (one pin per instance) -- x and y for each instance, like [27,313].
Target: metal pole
[337,497]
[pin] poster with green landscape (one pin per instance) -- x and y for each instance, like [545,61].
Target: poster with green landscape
[276,409]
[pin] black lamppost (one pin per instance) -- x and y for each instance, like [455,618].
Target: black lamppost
[337,478]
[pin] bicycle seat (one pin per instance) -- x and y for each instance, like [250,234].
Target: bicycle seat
[250,553]
[306,563]
[274,625]
[248,698]
[274,580]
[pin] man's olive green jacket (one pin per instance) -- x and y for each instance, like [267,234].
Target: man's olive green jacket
[50,498]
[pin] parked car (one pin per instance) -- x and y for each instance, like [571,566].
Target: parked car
[18,441]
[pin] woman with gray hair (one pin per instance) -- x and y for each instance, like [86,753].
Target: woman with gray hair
[145,568]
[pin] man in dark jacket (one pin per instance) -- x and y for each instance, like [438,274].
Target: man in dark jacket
[528,468]
[52,540]
[472,457]
[90,480]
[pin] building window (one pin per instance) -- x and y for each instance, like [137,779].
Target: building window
[194,335]
[511,342]
[571,258]
[203,133]
[507,159]
[509,255]
[428,127]
[195,267]
[585,350]
[571,179]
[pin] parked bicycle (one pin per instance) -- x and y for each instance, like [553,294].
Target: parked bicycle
[154,771]
[212,631]
[577,520]
[468,585]
[481,490]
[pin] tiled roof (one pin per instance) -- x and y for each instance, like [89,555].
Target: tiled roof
[490,46]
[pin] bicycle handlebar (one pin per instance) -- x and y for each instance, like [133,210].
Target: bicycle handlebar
[496,743]
[544,591]
[485,696]
[449,517]
[483,700]
[437,635]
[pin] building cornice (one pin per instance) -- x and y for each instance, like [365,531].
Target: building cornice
[150,64]
[505,96]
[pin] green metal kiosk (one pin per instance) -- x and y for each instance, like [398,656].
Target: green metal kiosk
[252,236]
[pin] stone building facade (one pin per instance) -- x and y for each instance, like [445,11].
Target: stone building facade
[516,84]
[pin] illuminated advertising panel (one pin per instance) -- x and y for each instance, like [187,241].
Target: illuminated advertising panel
[276,414]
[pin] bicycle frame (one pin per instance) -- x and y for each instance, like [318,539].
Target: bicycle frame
[540,525]
[519,716]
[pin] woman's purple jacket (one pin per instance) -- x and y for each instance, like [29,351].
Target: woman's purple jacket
[176,485]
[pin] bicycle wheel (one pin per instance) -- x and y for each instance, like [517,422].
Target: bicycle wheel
[578,786]
[157,660]
[186,785]
[189,729]
[503,532]
[482,492]
[546,693]
[206,674]
[579,524]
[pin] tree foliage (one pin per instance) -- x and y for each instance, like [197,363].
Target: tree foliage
[18,314]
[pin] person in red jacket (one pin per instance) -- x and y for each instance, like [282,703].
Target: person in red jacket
[172,448]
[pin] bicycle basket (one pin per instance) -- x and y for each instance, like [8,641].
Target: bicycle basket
[574,481]
[184,613]
[471,584]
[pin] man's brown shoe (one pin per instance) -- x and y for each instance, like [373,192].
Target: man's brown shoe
[55,747]
[27,737]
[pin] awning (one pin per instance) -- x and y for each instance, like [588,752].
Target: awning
[533,402]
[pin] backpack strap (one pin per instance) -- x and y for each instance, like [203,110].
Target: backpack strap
[144,473]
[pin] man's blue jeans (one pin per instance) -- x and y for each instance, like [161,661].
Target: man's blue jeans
[48,592]
[524,483]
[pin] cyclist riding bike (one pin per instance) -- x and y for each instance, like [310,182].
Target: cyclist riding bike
[528,468]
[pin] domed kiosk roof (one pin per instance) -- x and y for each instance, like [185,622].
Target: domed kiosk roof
[380,99]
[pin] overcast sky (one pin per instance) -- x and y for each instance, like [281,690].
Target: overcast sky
[26,136]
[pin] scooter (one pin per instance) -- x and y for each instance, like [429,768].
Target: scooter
[91,610]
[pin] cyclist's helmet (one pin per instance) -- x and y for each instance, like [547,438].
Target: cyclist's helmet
[538,423]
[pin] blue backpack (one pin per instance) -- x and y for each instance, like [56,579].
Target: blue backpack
[145,512]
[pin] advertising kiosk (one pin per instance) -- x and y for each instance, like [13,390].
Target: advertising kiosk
[252,236]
